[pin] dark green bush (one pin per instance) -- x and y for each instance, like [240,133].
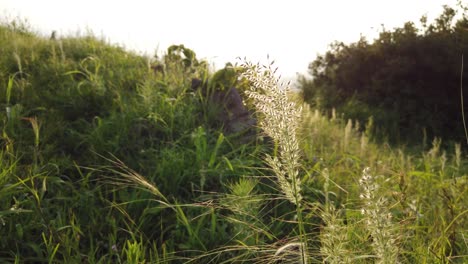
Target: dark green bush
[407,78]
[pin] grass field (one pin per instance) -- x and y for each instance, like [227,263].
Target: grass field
[110,157]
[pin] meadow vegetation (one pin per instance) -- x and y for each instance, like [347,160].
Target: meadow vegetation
[107,156]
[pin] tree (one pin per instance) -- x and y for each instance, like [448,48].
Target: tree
[408,79]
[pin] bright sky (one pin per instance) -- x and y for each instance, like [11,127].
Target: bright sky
[292,32]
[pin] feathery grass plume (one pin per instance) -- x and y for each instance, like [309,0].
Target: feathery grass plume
[347,133]
[364,143]
[457,155]
[333,236]
[290,253]
[279,118]
[18,61]
[431,157]
[378,219]
[434,151]
[443,161]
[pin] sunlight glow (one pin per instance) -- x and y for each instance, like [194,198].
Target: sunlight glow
[292,32]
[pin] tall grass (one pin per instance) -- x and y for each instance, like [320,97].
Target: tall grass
[103,160]
[280,120]
[384,198]
[399,205]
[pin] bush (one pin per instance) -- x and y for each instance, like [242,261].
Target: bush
[410,78]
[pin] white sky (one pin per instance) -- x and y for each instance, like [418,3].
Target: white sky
[292,32]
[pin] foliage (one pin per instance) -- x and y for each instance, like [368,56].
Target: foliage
[408,79]
[75,104]
[110,157]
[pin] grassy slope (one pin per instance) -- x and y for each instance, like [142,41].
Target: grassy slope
[86,119]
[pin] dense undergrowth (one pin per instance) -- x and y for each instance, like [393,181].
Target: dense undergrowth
[110,157]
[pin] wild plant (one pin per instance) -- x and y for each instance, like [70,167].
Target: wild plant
[364,143]
[347,134]
[134,252]
[280,119]
[378,219]
[334,233]
[457,156]
[67,101]
[245,204]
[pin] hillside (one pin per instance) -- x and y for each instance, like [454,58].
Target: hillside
[110,157]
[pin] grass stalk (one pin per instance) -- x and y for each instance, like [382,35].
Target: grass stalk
[462,100]
[280,119]
[378,219]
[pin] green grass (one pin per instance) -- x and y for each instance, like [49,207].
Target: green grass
[104,160]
